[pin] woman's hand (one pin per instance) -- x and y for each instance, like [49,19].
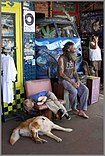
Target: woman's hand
[96,39]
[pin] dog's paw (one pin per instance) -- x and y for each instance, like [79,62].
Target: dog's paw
[59,140]
[39,140]
[69,130]
[43,141]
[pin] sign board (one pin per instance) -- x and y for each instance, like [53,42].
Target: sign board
[29,21]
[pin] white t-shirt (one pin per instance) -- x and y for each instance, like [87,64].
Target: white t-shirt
[95,54]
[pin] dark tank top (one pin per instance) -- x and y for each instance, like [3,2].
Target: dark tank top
[68,68]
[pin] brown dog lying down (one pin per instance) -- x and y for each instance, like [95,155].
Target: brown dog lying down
[33,126]
[50,115]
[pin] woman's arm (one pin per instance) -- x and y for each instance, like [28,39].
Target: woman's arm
[93,45]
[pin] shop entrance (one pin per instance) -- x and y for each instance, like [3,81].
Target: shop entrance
[11,22]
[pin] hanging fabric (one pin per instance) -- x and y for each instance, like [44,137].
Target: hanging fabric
[9,76]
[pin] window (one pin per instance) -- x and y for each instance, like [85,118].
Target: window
[8,31]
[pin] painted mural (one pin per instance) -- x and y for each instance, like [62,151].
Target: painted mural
[92,22]
[50,37]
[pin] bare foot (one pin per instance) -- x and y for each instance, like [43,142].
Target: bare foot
[75,111]
[82,114]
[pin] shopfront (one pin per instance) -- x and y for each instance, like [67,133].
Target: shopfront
[11,22]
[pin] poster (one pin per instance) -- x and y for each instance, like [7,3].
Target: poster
[29,21]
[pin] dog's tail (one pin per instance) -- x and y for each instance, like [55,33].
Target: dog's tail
[14,136]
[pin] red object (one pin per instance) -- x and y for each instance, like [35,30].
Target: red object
[35,86]
[70,13]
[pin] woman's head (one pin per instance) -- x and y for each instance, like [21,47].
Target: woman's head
[28,104]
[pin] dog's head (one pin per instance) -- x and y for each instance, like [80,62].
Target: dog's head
[51,116]
[47,113]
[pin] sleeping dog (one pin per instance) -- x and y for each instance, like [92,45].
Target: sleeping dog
[33,126]
[50,115]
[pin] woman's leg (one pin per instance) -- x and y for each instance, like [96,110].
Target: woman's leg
[54,104]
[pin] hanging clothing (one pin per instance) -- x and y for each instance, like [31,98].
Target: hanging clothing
[9,76]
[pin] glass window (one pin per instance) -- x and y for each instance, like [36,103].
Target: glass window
[7,23]
[8,31]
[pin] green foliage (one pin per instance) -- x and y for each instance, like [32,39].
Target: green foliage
[68,16]
[47,33]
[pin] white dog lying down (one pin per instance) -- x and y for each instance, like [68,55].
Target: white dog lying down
[33,126]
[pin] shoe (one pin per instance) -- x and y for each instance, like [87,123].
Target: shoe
[67,116]
[60,113]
